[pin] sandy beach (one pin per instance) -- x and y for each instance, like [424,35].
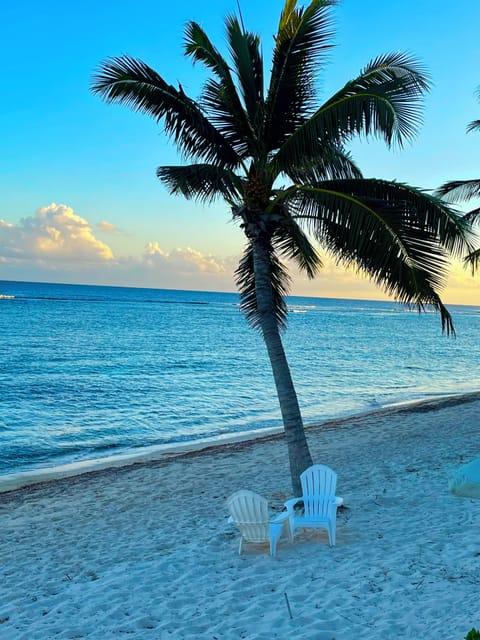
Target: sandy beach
[146,551]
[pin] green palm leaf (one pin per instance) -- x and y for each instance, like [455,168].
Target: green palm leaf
[128,81]
[458,190]
[396,83]
[334,164]
[220,97]
[302,41]
[245,51]
[290,241]
[398,236]
[473,215]
[245,281]
[383,101]
[473,260]
[474,126]
[202,182]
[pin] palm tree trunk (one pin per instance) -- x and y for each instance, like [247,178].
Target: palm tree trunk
[298,452]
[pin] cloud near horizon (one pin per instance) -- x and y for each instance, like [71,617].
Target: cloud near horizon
[108,227]
[182,260]
[57,245]
[55,233]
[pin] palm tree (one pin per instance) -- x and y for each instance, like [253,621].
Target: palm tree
[465,190]
[279,161]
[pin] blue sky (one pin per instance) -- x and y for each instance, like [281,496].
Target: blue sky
[118,225]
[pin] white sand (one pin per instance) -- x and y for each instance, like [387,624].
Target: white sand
[146,551]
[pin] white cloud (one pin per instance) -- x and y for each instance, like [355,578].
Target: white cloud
[57,245]
[55,233]
[108,227]
[183,261]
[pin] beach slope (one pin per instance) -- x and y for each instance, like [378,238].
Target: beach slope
[146,551]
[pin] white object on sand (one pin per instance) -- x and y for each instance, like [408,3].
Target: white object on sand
[249,512]
[320,504]
[465,481]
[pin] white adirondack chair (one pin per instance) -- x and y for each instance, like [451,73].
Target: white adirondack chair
[320,503]
[249,512]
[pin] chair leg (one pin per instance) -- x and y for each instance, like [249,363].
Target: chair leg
[240,546]
[275,531]
[291,530]
[331,533]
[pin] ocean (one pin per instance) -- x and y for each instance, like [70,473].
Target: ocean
[88,372]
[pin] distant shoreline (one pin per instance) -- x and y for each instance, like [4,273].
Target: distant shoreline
[158,454]
[232,291]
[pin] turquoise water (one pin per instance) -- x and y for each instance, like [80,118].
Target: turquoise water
[88,372]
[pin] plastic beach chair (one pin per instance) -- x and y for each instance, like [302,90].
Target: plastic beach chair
[320,503]
[249,512]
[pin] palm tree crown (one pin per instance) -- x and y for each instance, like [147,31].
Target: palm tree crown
[278,158]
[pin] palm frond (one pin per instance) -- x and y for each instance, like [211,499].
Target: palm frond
[458,190]
[302,41]
[291,241]
[473,260]
[198,46]
[399,236]
[303,38]
[383,101]
[217,103]
[402,81]
[334,164]
[248,63]
[133,83]
[202,182]
[473,126]
[219,97]
[473,215]
[245,281]
[423,212]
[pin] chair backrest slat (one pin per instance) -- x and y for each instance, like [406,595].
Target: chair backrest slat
[250,513]
[319,484]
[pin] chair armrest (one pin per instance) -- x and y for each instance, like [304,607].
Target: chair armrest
[290,504]
[335,502]
[276,527]
[280,519]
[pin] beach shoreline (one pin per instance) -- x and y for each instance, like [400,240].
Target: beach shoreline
[146,550]
[167,379]
[163,453]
